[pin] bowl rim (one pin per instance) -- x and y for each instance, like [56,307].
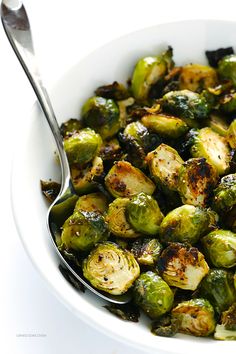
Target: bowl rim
[96,324]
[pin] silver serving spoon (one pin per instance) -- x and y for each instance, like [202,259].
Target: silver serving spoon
[17,27]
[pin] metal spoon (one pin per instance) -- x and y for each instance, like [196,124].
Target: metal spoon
[17,27]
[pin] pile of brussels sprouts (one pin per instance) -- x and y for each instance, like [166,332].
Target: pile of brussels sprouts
[154,167]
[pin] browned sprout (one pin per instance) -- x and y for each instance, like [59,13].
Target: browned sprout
[125,180]
[50,189]
[182,266]
[196,317]
[197,178]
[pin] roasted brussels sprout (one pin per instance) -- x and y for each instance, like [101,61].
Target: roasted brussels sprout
[227,68]
[82,230]
[165,125]
[92,202]
[102,115]
[148,71]
[70,127]
[83,178]
[182,266]
[116,91]
[138,131]
[110,150]
[220,248]
[153,294]
[225,194]
[110,268]
[228,318]
[126,312]
[164,165]
[218,124]
[228,103]
[146,251]
[196,317]
[146,139]
[165,326]
[123,109]
[195,77]
[231,134]
[50,189]
[197,178]
[227,329]
[135,153]
[186,223]
[144,214]
[142,136]
[117,221]
[218,288]
[213,147]
[125,180]
[186,104]
[214,56]
[82,146]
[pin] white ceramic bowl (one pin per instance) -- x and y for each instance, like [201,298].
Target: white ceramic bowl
[35,161]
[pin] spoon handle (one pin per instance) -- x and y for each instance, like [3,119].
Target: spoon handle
[17,27]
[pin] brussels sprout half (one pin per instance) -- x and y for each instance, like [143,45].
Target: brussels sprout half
[138,131]
[110,268]
[148,71]
[227,68]
[82,178]
[125,180]
[146,251]
[195,316]
[197,178]
[102,115]
[164,165]
[186,223]
[135,153]
[165,125]
[141,134]
[117,221]
[231,134]
[70,127]
[186,104]
[82,230]
[213,148]
[218,288]
[144,214]
[110,150]
[220,248]
[182,266]
[218,124]
[225,194]
[222,333]
[92,202]
[50,189]
[153,294]
[228,318]
[195,77]
[82,146]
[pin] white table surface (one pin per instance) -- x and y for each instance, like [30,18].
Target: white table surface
[64,32]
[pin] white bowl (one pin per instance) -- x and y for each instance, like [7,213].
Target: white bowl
[35,160]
